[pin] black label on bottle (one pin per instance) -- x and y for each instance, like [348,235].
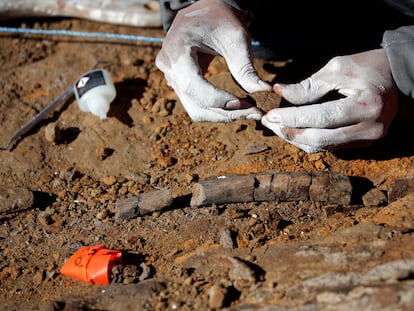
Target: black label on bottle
[89,81]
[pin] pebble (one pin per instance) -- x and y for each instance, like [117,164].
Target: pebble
[255,149]
[374,197]
[216,297]
[109,180]
[53,133]
[15,199]
[241,273]
[225,238]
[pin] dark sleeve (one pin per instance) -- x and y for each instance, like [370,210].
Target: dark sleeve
[399,46]
[405,7]
[169,9]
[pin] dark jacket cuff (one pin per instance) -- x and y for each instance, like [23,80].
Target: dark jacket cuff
[169,9]
[399,46]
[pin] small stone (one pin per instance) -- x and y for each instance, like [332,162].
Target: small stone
[147,120]
[216,296]
[53,133]
[146,272]
[225,238]
[109,180]
[101,215]
[255,149]
[241,273]
[15,198]
[400,188]
[102,152]
[374,197]
[162,107]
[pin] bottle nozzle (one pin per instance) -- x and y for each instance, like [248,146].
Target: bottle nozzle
[99,106]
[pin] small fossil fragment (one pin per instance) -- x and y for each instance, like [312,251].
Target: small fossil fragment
[145,203]
[265,100]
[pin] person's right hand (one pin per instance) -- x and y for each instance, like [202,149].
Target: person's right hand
[199,32]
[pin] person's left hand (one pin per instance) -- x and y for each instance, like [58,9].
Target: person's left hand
[363,115]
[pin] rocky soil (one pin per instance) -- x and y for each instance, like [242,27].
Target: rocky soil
[61,184]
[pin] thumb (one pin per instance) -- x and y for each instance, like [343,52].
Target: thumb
[309,90]
[243,71]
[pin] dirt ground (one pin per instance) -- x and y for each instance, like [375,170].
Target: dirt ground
[60,193]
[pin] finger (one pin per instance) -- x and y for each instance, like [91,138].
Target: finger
[209,103]
[309,90]
[332,114]
[315,140]
[199,96]
[243,71]
[184,75]
[199,113]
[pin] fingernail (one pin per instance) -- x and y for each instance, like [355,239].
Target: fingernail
[278,88]
[254,116]
[232,104]
[273,118]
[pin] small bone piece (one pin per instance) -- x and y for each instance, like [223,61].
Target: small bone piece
[142,204]
[266,100]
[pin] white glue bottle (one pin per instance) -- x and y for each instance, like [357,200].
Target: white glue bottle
[95,91]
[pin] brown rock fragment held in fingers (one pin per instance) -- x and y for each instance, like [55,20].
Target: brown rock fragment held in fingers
[265,100]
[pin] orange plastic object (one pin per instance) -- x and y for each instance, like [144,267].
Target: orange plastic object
[92,264]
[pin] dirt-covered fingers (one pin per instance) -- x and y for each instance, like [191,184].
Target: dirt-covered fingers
[307,91]
[238,58]
[332,114]
[222,108]
[316,140]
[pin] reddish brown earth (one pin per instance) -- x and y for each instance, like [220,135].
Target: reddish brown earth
[58,195]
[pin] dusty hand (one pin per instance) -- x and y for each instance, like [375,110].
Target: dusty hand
[198,33]
[363,115]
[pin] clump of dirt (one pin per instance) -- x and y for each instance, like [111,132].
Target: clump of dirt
[254,254]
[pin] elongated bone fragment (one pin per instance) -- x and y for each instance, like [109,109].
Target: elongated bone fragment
[142,204]
[323,186]
[223,189]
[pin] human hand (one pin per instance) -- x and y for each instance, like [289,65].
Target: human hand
[363,115]
[198,33]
